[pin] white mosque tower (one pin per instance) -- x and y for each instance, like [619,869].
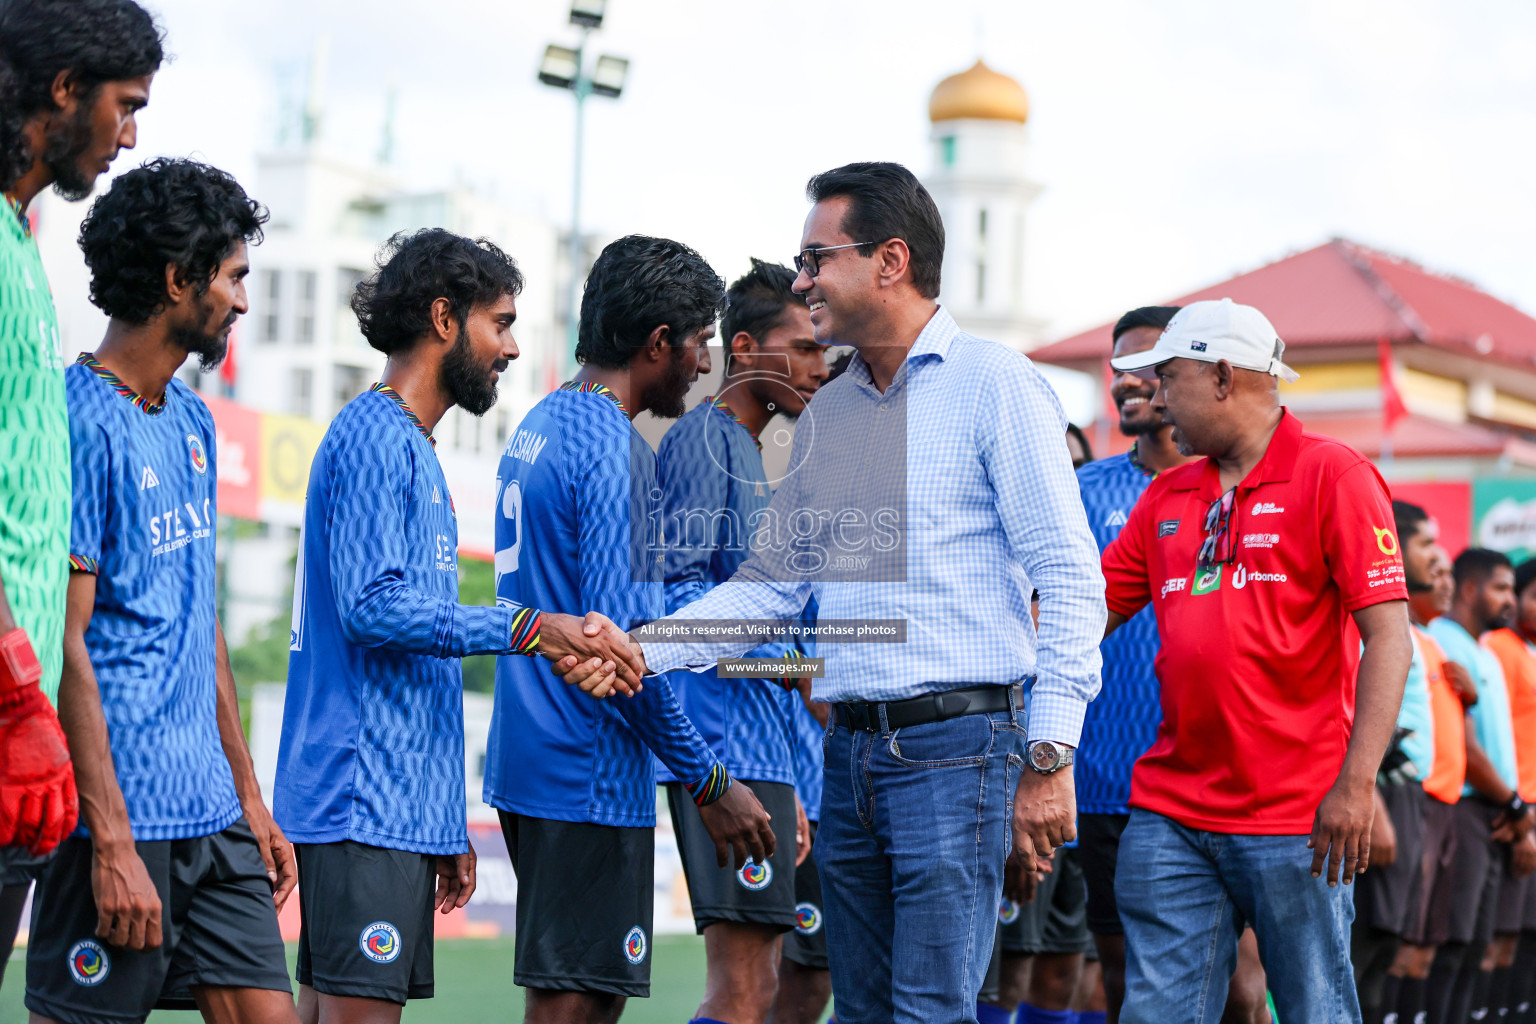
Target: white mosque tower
[978,181]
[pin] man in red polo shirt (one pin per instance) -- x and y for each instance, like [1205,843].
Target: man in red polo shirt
[1267,564]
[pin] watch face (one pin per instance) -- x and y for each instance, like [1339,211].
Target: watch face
[1043,756]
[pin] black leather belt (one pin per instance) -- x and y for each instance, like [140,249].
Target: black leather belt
[930,707]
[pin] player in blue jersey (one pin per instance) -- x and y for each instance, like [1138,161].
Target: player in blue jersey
[1122,721]
[370,773]
[577,510]
[178,854]
[715,492]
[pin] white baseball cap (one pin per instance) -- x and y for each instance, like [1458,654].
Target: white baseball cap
[1213,330]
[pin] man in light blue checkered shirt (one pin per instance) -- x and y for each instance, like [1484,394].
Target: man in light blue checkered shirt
[930,484]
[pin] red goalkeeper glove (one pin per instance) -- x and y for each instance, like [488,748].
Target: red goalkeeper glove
[38,802]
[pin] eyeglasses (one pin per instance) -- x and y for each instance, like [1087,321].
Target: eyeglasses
[1220,543]
[809,260]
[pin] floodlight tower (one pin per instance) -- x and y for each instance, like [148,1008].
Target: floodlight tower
[564,68]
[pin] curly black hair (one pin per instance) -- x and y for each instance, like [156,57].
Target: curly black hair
[640,283]
[15,157]
[167,212]
[756,301]
[96,40]
[394,306]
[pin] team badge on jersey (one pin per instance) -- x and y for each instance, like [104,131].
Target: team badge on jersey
[755,876]
[380,942]
[1008,912]
[89,964]
[634,945]
[807,918]
[199,457]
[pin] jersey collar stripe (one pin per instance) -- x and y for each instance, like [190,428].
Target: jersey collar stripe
[719,403]
[410,414]
[599,389]
[1142,467]
[21,214]
[116,384]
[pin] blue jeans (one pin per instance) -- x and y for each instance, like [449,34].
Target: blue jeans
[915,827]
[1185,896]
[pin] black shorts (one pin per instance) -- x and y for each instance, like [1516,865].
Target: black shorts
[1384,897]
[758,893]
[1436,890]
[584,905]
[1475,874]
[1056,920]
[1514,896]
[366,921]
[18,866]
[218,927]
[1098,851]
[806,945]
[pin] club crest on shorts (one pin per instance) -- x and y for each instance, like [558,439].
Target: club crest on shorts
[634,945]
[755,876]
[89,964]
[807,918]
[380,942]
[199,457]
[1008,912]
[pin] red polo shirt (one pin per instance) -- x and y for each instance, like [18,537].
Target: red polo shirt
[1257,665]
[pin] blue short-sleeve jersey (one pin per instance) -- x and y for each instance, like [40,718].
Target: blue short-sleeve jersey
[143,521]
[576,514]
[372,744]
[1122,720]
[715,491]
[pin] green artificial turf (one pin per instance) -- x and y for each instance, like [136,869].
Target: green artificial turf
[474,984]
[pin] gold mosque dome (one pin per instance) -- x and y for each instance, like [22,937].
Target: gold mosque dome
[979,93]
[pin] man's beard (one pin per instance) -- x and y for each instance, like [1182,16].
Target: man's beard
[669,397]
[210,349]
[469,385]
[63,145]
[1140,428]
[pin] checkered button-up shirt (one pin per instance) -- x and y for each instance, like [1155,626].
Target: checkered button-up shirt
[942,502]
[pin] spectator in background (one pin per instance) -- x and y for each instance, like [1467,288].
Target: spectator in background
[1078,446]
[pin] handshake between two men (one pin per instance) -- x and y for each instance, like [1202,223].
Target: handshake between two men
[601,659]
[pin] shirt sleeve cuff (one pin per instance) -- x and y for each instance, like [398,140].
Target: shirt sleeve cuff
[525,631]
[1057,717]
[80,563]
[661,658]
[711,787]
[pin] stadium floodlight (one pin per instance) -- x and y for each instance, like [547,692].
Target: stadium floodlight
[608,76]
[588,13]
[561,67]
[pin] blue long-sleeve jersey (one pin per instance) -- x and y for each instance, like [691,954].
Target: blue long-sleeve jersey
[715,490]
[575,519]
[372,744]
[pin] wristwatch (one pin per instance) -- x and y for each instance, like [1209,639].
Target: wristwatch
[1047,757]
[18,663]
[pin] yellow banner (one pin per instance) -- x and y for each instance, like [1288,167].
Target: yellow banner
[288,446]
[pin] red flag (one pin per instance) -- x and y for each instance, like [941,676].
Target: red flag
[229,372]
[1392,407]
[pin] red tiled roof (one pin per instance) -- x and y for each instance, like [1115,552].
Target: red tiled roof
[1413,437]
[1342,293]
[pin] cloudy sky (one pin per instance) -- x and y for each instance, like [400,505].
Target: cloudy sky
[1179,141]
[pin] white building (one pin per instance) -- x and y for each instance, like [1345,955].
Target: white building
[979,181]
